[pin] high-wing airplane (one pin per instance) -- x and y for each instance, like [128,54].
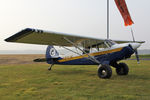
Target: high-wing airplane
[108,52]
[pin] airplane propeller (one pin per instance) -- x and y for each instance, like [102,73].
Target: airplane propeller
[137,56]
[136,51]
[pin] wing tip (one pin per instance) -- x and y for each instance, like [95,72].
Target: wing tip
[142,41]
[18,35]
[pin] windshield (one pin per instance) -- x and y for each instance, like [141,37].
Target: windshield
[109,43]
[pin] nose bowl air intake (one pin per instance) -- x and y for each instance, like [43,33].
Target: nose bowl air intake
[135,46]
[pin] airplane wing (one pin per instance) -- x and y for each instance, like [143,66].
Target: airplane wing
[41,37]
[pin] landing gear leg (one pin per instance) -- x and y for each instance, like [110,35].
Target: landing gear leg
[50,68]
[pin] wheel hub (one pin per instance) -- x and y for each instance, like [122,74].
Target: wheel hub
[104,72]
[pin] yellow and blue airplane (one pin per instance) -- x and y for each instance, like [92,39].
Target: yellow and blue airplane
[108,52]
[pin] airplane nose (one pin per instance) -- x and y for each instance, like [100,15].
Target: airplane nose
[135,45]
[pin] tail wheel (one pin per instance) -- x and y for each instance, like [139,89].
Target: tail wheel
[105,71]
[122,69]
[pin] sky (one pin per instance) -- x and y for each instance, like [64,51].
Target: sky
[80,17]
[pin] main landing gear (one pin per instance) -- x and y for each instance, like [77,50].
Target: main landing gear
[122,69]
[105,71]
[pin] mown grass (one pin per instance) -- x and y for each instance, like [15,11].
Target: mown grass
[141,57]
[34,82]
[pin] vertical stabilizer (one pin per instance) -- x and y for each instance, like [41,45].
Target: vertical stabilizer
[51,54]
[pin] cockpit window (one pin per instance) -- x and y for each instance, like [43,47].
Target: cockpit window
[99,46]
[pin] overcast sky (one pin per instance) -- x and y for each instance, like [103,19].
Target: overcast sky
[84,17]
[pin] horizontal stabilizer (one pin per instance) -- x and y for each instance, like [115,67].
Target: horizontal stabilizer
[40,60]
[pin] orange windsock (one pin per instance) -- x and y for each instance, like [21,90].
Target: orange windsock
[121,4]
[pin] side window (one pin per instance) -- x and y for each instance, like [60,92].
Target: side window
[102,46]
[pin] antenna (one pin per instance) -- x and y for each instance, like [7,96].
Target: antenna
[107,19]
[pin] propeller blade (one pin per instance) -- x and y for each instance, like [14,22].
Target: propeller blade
[136,52]
[137,56]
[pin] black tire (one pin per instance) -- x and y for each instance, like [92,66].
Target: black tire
[104,72]
[122,69]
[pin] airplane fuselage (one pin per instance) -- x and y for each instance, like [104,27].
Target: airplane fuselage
[107,56]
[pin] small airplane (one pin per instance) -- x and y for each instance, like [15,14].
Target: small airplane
[108,52]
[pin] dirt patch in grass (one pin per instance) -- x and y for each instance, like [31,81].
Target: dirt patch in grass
[19,59]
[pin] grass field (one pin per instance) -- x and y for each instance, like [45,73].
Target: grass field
[34,82]
[142,57]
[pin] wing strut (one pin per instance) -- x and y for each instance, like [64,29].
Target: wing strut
[91,57]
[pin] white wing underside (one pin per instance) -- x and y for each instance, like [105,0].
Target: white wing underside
[32,36]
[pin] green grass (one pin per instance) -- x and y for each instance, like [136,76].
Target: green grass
[145,56]
[141,57]
[34,82]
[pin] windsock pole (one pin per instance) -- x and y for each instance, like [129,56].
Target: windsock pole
[107,19]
